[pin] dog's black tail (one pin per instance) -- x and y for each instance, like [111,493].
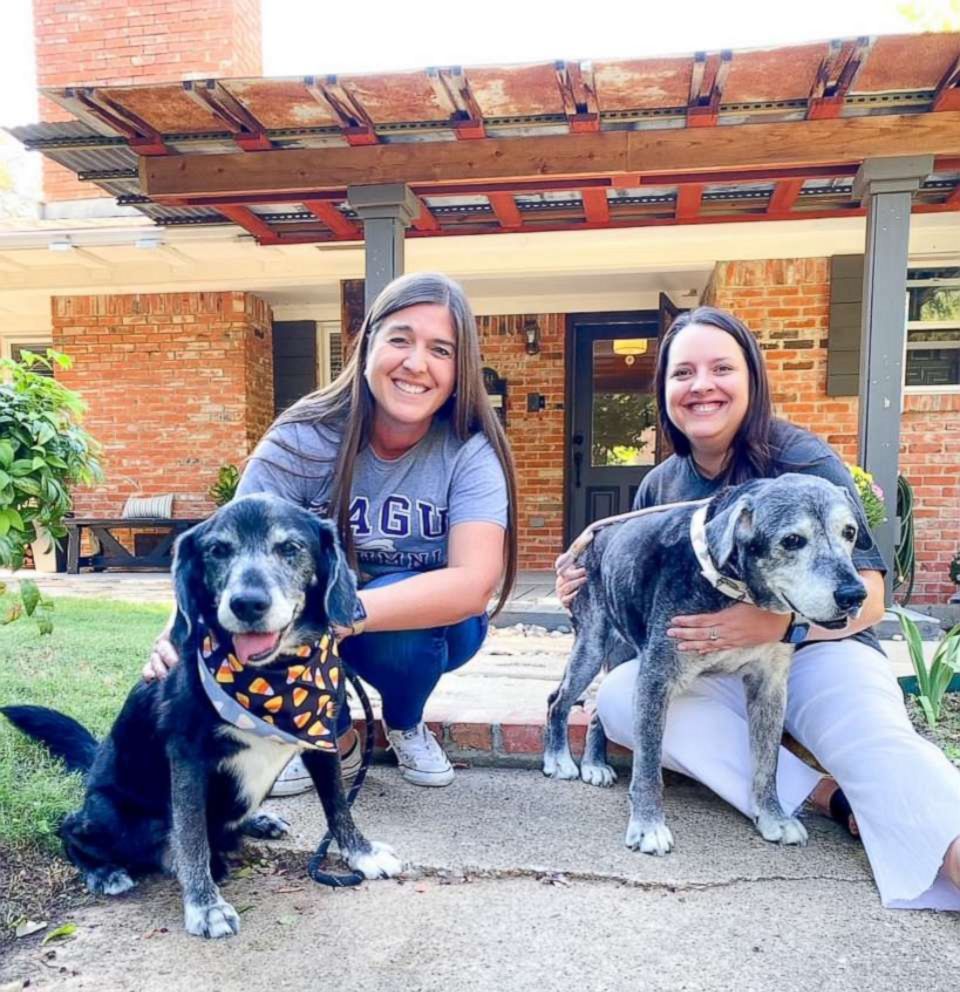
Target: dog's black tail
[62,735]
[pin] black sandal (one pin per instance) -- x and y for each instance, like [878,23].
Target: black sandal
[841,812]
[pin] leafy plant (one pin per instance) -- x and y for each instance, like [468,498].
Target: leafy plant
[225,488]
[932,682]
[955,569]
[871,496]
[44,451]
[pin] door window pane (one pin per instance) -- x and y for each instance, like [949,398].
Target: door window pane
[623,421]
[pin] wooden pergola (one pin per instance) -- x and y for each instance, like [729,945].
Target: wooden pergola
[851,128]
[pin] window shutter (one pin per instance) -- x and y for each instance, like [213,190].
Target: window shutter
[843,343]
[294,361]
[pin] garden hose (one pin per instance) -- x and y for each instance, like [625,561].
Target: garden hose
[905,562]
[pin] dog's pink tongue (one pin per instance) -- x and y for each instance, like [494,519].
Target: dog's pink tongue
[248,645]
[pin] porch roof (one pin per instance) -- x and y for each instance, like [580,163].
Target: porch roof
[774,134]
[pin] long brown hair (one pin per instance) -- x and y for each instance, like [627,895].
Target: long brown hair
[750,456]
[348,405]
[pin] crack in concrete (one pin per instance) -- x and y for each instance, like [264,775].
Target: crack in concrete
[468,874]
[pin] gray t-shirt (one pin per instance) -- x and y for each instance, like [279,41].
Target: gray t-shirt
[401,510]
[794,450]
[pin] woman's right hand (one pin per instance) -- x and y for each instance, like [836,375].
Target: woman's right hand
[570,577]
[163,656]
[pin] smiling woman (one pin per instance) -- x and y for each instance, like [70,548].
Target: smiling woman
[404,453]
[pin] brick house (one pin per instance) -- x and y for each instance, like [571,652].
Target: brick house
[194,315]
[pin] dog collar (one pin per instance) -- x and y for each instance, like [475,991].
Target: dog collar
[734,588]
[294,700]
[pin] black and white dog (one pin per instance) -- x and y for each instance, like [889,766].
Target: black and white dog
[784,544]
[173,786]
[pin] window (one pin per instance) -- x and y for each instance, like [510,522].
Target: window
[38,349]
[933,328]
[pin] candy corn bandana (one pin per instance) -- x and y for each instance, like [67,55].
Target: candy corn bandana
[293,700]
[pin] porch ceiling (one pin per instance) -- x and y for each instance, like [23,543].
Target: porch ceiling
[715,137]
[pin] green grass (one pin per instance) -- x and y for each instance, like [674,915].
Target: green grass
[85,668]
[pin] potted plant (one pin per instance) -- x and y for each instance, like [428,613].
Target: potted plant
[225,488]
[44,451]
[871,496]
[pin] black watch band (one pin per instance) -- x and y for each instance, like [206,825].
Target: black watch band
[797,631]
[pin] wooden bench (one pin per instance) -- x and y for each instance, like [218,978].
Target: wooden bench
[112,553]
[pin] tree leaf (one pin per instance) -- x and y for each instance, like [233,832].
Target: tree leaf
[6,454]
[61,933]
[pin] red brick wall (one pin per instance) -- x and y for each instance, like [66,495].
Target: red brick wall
[114,41]
[786,302]
[176,385]
[537,439]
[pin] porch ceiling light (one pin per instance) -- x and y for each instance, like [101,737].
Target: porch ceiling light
[631,346]
[61,244]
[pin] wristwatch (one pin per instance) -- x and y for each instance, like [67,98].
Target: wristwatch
[796,631]
[359,618]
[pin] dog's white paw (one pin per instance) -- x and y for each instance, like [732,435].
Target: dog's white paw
[265,826]
[649,838]
[781,829]
[108,882]
[379,862]
[602,775]
[560,765]
[217,920]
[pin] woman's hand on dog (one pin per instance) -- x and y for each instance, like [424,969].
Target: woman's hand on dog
[738,626]
[163,657]
[570,578]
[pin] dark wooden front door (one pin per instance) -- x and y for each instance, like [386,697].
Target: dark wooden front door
[613,437]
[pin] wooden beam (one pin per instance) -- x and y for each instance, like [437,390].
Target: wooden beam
[505,207]
[689,199]
[251,223]
[425,221]
[596,208]
[341,226]
[846,139]
[784,195]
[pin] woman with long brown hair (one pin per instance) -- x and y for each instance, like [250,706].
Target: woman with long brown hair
[404,452]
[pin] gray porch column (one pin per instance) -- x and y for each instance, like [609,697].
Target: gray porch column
[386,210]
[885,186]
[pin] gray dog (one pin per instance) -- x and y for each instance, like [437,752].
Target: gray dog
[784,544]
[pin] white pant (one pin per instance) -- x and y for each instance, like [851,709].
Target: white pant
[845,706]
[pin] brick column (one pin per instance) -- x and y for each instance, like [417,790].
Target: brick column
[176,384]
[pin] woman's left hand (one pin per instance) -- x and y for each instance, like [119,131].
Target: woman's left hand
[738,626]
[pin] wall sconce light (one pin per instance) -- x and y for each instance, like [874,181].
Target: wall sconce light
[531,332]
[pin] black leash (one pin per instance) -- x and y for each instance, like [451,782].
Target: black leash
[314,869]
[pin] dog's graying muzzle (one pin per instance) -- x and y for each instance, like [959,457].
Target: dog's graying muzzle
[250,604]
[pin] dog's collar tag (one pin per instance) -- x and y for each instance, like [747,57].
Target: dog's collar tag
[294,701]
[733,588]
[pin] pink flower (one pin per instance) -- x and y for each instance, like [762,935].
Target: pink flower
[877,491]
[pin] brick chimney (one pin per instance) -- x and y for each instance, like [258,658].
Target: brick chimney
[137,41]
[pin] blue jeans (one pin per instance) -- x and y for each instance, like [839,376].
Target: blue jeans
[404,666]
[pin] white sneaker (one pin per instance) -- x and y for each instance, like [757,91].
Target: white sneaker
[422,761]
[295,779]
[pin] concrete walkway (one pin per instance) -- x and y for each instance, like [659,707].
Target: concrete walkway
[515,882]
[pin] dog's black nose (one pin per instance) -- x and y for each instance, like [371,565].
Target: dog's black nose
[850,595]
[249,605]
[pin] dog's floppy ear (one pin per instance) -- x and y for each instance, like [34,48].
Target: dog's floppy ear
[864,541]
[338,587]
[187,584]
[735,523]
